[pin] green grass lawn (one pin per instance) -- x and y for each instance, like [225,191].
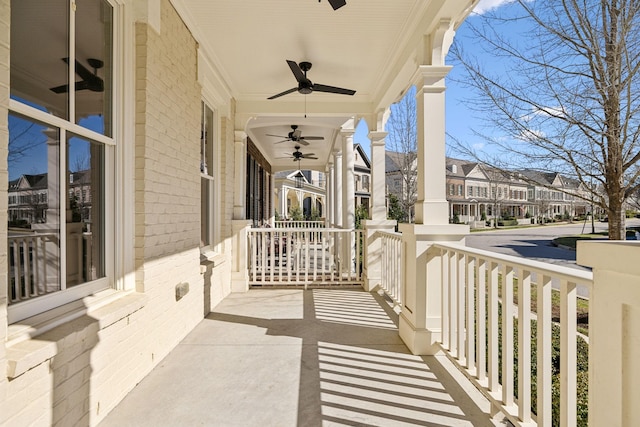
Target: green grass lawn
[570,241]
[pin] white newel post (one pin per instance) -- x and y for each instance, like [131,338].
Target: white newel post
[420,319]
[614,332]
[378,221]
[240,225]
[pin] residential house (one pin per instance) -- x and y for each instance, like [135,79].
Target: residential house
[362,176]
[172,105]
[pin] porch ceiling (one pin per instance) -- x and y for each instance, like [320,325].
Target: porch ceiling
[371,46]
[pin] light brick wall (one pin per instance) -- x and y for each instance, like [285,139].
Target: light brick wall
[100,357]
[5,16]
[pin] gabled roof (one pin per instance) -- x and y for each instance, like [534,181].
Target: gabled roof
[363,155]
[29,182]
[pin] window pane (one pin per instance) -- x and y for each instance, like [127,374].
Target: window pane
[206,147]
[85,211]
[34,209]
[39,54]
[205,212]
[94,70]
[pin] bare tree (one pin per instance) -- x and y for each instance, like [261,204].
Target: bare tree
[403,140]
[567,97]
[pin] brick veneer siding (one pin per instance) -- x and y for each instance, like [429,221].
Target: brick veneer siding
[81,369]
[5,15]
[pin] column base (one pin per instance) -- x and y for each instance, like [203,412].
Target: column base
[239,284]
[421,342]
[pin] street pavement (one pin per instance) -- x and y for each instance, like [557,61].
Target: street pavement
[535,242]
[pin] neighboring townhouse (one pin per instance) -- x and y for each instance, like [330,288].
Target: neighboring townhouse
[554,196]
[477,193]
[362,177]
[401,179]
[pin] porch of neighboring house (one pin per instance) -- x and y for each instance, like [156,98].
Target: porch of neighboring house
[301,358]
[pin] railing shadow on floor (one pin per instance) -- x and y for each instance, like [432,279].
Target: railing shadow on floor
[354,369]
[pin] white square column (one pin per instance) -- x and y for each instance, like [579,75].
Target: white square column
[240,226]
[240,175]
[378,221]
[420,319]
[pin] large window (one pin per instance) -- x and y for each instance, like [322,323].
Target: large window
[61,152]
[207,177]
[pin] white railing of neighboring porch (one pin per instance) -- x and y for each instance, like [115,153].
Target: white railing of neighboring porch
[299,224]
[475,285]
[30,260]
[391,265]
[34,262]
[304,256]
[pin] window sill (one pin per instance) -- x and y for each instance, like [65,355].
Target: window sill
[210,259]
[26,346]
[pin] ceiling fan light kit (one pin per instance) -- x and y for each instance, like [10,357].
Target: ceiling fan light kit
[296,136]
[90,80]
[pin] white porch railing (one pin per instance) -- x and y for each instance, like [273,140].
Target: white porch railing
[299,224]
[478,289]
[391,278]
[304,256]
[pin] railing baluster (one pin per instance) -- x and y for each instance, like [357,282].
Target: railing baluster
[460,298]
[493,328]
[481,322]
[453,304]
[470,329]
[446,286]
[544,337]
[568,359]
[524,346]
[507,335]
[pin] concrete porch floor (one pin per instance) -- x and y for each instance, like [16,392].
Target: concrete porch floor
[301,358]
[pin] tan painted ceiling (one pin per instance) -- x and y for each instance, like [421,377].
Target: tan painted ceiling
[371,46]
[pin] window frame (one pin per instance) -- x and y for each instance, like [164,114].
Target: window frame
[112,153]
[211,175]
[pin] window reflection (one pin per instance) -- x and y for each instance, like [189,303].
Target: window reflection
[85,211]
[39,48]
[94,41]
[33,209]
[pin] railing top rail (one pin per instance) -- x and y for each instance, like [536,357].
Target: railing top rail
[314,229]
[566,273]
[33,235]
[389,233]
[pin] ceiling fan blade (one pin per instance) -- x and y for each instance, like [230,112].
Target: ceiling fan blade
[82,71]
[276,136]
[302,141]
[297,72]
[337,4]
[308,154]
[286,92]
[332,89]
[311,158]
[60,89]
[280,142]
[313,138]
